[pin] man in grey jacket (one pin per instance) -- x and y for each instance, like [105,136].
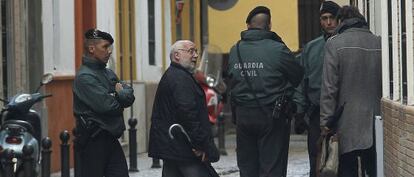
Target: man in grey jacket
[352,75]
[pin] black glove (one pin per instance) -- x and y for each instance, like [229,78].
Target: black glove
[300,123]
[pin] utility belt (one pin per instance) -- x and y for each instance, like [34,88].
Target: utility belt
[283,107]
[86,129]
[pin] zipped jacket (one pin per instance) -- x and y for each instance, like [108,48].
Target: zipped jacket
[95,98]
[269,65]
[180,100]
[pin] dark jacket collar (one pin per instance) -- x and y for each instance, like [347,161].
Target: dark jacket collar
[351,23]
[178,66]
[326,35]
[255,34]
[93,63]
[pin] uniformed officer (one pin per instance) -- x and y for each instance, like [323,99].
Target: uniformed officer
[309,91]
[261,70]
[99,99]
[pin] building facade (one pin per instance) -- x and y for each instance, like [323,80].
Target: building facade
[393,21]
[48,38]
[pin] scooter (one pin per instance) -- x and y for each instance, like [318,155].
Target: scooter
[208,75]
[20,126]
[213,98]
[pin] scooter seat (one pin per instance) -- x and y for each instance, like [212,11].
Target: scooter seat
[19,123]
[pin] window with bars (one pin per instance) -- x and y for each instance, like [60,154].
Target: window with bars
[151,32]
[403,51]
[390,50]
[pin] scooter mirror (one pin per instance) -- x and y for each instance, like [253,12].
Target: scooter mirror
[48,77]
[211,81]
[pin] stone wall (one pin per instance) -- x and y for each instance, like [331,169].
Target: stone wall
[398,139]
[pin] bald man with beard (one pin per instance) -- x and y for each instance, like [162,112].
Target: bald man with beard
[180,100]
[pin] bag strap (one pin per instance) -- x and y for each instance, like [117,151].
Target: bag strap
[249,84]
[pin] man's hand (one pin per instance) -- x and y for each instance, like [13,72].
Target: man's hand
[300,123]
[324,130]
[118,87]
[200,154]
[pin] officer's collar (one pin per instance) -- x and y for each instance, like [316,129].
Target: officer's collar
[255,34]
[93,63]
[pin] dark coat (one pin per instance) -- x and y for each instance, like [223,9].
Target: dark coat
[352,74]
[95,98]
[309,91]
[269,65]
[180,99]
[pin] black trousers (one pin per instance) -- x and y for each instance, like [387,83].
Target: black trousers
[171,168]
[314,132]
[262,143]
[348,163]
[103,156]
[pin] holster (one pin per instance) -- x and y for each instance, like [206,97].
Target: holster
[85,130]
[283,107]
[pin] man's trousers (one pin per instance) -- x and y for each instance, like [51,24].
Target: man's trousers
[314,132]
[358,163]
[103,156]
[262,143]
[171,168]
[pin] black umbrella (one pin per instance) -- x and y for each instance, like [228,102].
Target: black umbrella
[175,130]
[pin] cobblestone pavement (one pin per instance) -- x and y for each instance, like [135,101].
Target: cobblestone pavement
[227,167]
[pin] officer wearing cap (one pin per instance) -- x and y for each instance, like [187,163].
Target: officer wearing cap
[261,70]
[309,91]
[99,99]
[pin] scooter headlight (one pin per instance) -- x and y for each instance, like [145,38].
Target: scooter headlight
[22,98]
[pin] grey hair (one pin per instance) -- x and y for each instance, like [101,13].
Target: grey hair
[177,45]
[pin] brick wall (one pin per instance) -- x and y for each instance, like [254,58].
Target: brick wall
[398,139]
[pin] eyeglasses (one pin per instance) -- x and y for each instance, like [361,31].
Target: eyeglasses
[191,51]
[330,17]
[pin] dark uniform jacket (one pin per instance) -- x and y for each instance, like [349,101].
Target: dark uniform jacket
[269,65]
[180,99]
[309,91]
[95,98]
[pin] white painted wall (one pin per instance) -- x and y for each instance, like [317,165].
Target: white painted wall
[385,54]
[105,21]
[146,72]
[410,46]
[167,29]
[396,52]
[140,114]
[375,17]
[58,36]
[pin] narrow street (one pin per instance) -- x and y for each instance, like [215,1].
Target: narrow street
[227,167]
